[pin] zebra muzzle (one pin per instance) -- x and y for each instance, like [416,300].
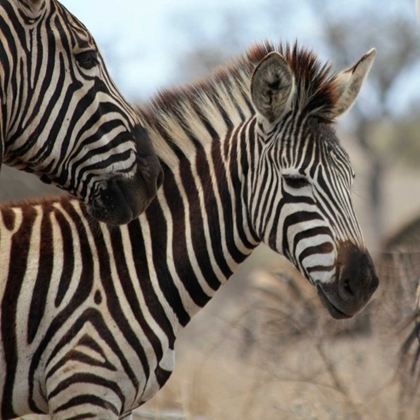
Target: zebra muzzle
[119,200]
[354,284]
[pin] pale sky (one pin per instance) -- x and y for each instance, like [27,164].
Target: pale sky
[142,41]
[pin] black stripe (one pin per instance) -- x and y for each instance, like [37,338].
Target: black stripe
[142,270]
[81,358]
[293,219]
[320,268]
[228,216]
[87,399]
[43,278]
[130,293]
[196,220]
[68,257]
[325,248]
[245,97]
[246,160]
[83,416]
[309,233]
[223,113]
[92,380]
[9,308]
[159,243]
[182,264]
[162,375]
[328,201]
[212,132]
[237,107]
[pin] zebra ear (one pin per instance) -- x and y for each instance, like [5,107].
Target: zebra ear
[272,86]
[349,83]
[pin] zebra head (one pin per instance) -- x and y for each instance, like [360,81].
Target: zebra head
[63,119]
[304,177]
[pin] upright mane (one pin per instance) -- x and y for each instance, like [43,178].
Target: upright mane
[190,114]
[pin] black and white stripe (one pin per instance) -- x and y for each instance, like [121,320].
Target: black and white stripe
[90,313]
[61,116]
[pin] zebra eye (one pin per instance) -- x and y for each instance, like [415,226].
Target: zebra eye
[294,181]
[87,59]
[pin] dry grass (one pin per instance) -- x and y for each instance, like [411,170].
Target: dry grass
[305,372]
[308,379]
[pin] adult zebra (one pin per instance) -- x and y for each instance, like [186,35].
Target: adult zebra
[62,118]
[90,314]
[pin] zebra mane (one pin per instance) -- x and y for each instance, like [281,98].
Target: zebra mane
[192,113]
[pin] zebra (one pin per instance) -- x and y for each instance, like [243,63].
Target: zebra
[63,119]
[90,315]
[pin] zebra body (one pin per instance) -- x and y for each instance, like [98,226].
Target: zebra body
[90,313]
[62,118]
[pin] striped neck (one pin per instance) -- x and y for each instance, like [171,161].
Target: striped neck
[18,74]
[201,219]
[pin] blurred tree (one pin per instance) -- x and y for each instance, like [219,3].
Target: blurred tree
[343,33]
[394,32]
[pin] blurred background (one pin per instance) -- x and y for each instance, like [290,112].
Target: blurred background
[263,348]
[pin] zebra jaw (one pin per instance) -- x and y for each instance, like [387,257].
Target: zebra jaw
[331,308]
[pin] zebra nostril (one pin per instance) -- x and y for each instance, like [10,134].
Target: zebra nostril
[347,288]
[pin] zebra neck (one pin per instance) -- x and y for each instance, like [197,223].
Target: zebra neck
[12,53]
[2,128]
[201,220]
[24,62]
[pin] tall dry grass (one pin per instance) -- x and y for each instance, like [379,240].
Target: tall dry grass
[298,363]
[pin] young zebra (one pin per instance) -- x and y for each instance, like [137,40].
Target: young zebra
[90,313]
[62,118]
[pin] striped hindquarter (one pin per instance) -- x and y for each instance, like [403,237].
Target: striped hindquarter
[90,312]
[63,119]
